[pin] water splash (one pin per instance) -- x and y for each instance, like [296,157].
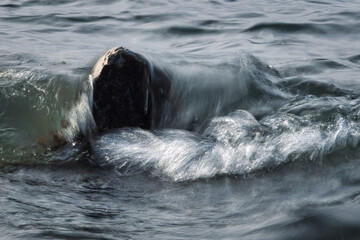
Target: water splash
[40,110]
[250,119]
[237,144]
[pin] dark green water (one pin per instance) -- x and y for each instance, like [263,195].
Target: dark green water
[273,152]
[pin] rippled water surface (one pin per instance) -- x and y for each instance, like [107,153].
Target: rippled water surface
[263,142]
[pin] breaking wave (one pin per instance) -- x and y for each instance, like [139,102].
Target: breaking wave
[244,117]
[227,117]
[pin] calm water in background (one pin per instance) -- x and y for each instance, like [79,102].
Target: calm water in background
[276,155]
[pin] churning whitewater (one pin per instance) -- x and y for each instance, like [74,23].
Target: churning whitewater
[289,127]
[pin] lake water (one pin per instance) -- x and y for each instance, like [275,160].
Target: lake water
[264,143]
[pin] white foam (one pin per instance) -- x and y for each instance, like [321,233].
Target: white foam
[235,144]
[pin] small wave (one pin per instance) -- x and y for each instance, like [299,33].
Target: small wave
[87,19]
[146,18]
[61,20]
[328,222]
[318,2]
[209,22]
[355,59]
[286,27]
[43,19]
[351,14]
[327,63]
[313,67]
[309,28]
[249,15]
[46,3]
[304,86]
[10,5]
[181,30]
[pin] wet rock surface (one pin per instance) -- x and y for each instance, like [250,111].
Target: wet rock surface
[121,94]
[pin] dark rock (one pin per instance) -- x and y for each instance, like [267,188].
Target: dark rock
[128,91]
